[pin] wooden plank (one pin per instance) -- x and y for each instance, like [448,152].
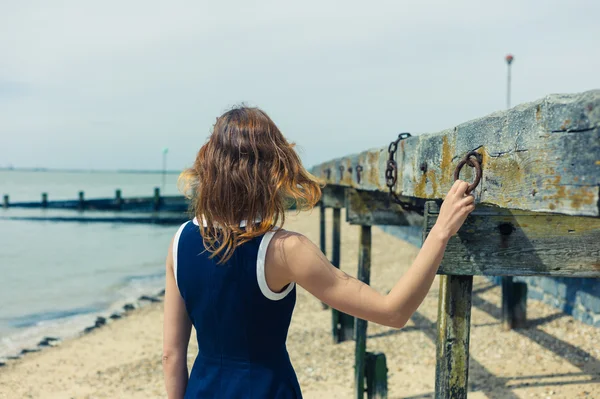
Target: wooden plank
[376,376]
[452,351]
[496,242]
[376,208]
[542,156]
[333,196]
[364,275]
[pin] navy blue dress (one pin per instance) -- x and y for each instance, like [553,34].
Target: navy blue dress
[241,325]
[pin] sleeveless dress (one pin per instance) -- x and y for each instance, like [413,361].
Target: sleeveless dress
[241,325]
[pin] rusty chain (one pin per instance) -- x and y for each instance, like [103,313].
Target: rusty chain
[391,174]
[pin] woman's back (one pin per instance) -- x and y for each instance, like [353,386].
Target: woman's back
[216,277]
[241,325]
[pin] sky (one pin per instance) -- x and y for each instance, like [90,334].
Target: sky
[109,84]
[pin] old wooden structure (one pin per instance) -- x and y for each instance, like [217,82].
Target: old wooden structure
[536,176]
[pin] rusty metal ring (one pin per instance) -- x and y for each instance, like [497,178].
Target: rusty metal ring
[471,159]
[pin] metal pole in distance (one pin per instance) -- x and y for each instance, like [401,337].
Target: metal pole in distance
[507,281]
[164,168]
[509,59]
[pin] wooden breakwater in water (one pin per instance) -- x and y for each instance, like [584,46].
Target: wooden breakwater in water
[535,171]
[153,203]
[155,209]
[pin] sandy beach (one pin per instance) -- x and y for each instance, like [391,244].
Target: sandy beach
[555,357]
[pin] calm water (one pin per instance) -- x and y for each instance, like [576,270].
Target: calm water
[56,278]
[28,186]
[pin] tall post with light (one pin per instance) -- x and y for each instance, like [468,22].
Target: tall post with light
[514,294]
[509,59]
[164,168]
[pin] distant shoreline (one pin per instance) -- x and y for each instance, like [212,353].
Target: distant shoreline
[122,171]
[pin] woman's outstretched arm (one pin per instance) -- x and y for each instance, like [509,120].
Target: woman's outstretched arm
[299,260]
[176,336]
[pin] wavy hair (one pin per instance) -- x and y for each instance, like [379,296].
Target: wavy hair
[247,171]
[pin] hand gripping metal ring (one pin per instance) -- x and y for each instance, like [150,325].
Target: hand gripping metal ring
[471,159]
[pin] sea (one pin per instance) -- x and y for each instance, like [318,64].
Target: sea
[56,278]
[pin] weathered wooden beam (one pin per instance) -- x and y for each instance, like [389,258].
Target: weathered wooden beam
[364,275]
[542,156]
[452,350]
[376,208]
[497,242]
[333,196]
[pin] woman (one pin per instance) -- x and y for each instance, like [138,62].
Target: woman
[232,274]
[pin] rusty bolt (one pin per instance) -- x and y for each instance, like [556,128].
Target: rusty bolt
[423,167]
[359,169]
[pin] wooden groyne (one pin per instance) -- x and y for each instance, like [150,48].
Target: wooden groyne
[535,172]
[156,202]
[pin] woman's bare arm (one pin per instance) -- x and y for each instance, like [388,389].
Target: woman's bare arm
[176,336]
[299,260]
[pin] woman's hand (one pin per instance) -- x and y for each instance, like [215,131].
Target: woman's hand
[454,211]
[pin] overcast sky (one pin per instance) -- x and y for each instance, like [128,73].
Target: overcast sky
[108,84]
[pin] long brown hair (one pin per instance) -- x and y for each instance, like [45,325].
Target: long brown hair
[246,171]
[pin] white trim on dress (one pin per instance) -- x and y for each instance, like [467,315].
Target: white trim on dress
[243,223]
[260,271]
[175,246]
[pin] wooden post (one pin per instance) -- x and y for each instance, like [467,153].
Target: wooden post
[44,200]
[323,226]
[156,198]
[507,300]
[81,205]
[6,201]
[454,320]
[342,324]
[514,303]
[336,239]
[118,199]
[322,236]
[376,376]
[364,275]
